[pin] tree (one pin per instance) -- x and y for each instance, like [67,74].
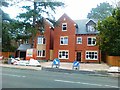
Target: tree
[35,15]
[40,11]
[6,27]
[101,11]
[109,36]
[24,27]
[5,16]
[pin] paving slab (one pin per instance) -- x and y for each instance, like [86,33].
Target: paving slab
[83,66]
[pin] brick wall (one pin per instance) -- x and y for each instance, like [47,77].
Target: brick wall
[71,38]
[84,47]
[47,45]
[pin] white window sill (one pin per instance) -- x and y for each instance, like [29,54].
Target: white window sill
[64,30]
[79,43]
[41,44]
[64,58]
[91,45]
[91,59]
[41,56]
[63,44]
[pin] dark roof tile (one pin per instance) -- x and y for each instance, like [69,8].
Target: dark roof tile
[24,47]
[81,24]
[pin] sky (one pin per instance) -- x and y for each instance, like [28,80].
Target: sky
[78,9]
[75,9]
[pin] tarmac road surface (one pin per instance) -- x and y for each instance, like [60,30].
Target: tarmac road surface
[19,78]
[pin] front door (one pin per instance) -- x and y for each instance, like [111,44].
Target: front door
[22,54]
[78,56]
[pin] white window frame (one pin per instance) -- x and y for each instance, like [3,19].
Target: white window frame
[66,53]
[26,41]
[91,28]
[64,26]
[40,53]
[79,42]
[40,40]
[63,37]
[87,54]
[92,40]
[0,40]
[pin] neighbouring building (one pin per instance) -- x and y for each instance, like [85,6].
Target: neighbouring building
[43,43]
[23,45]
[41,46]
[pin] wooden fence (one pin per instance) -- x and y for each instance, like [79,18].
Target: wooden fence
[7,54]
[113,60]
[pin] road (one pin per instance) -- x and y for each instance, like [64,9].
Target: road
[18,78]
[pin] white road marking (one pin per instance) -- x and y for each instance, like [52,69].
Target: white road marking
[111,86]
[86,83]
[14,75]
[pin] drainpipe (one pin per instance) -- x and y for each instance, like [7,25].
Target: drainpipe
[99,56]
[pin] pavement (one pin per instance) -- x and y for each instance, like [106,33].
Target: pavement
[64,65]
[83,66]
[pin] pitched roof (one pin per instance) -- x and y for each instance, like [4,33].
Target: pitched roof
[81,24]
[65,16]
[24,47]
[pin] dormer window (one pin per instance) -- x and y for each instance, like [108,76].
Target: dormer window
[64,26]
[90,28]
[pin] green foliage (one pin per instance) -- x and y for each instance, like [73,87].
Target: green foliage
[109,36]
[6,28]
[25,27]
[33,17]
[101,11]
[5,16]
[37,14]
[7,38]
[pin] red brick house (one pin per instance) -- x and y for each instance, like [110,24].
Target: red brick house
[64,39]
[76,40]
[43,43]
[69,41]
[86,48]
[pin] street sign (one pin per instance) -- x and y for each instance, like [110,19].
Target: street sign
[56,62]
[1,57]
[76,65]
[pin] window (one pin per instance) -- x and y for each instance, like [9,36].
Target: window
[91,41]
[63,54]
[41,53]
[41,40]
[64,40]
[79,40]
[91,55]
[0,40]
[26,41]
[64,26]
[90,28]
